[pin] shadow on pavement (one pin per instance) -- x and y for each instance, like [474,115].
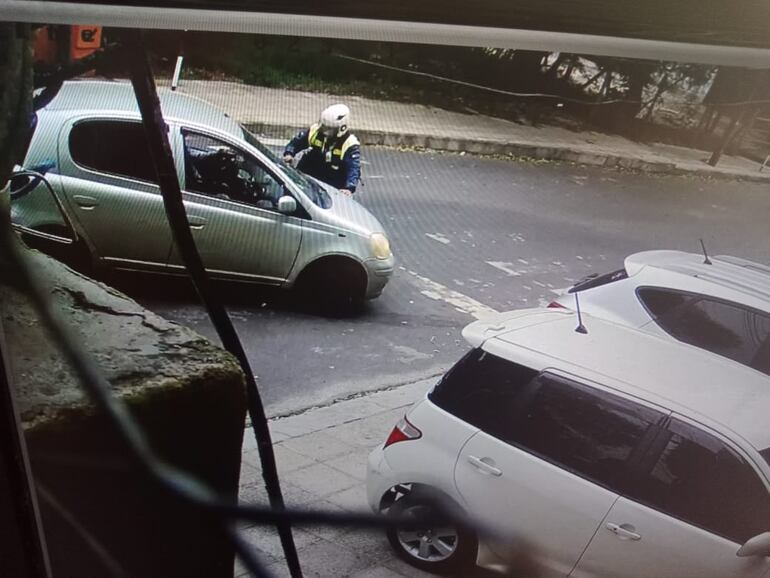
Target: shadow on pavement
[176,290]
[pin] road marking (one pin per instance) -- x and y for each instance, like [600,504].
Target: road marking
[375,176]
[462,303]
[438,237]
[504,266]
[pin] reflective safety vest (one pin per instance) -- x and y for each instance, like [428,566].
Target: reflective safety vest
[338,146]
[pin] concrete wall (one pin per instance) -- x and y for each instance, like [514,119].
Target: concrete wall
[99,511]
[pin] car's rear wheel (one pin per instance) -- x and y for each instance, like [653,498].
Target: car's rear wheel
[438,546]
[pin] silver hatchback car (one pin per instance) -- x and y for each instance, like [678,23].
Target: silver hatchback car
[253,217]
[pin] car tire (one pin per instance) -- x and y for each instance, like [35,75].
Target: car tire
[440,548]
[333,287]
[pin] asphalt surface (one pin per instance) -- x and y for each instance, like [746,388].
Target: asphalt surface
[470,234]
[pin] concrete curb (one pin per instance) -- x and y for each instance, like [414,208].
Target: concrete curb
[521,150]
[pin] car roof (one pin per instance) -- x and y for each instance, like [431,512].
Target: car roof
[676,376]
[730,278]
[94,96]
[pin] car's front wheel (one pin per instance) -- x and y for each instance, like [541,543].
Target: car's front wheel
[438,545]
[333,286]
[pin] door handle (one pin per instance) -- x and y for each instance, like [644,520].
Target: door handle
[623,531]
[196,223]
[85,202]
[487,468]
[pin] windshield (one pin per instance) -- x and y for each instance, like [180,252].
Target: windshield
[313,190]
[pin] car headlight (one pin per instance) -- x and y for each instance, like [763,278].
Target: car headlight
[380,245]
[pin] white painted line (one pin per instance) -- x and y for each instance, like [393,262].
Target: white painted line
[374,176]
[438,237]
[504,266]
[462,303]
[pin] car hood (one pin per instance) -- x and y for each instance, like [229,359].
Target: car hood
[347,213]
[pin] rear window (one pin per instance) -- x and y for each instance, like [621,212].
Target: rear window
[728,329]
[113,147]
[483,390]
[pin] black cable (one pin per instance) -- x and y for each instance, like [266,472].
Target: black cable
[157,139]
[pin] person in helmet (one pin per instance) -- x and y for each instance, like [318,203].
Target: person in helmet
[332,152]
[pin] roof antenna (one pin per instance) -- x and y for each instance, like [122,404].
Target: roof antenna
[580,328]
[706,260]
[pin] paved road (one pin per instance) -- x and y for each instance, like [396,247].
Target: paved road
[471,234]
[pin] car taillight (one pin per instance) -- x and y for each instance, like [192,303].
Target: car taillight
[555,305]
[403,431]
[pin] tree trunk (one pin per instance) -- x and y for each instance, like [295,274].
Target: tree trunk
[661,87]
[716,116]
[737,142]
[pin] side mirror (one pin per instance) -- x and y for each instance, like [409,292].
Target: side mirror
[287,205]
[756,546]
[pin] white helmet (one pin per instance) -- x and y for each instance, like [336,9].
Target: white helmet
[334,120]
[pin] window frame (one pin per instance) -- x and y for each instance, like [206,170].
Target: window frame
[184,128]
[94,171]
[654,454]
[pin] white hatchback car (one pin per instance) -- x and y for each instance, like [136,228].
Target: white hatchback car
[613,453]
[722,305]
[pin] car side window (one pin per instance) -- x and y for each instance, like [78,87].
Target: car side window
[114,147]
[590,432]
[700,480]
[217,169]
[483,390]
[736,332]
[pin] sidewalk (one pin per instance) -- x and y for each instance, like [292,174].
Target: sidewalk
[321,456]
[280,113]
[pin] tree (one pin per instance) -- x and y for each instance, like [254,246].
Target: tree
[671,75]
